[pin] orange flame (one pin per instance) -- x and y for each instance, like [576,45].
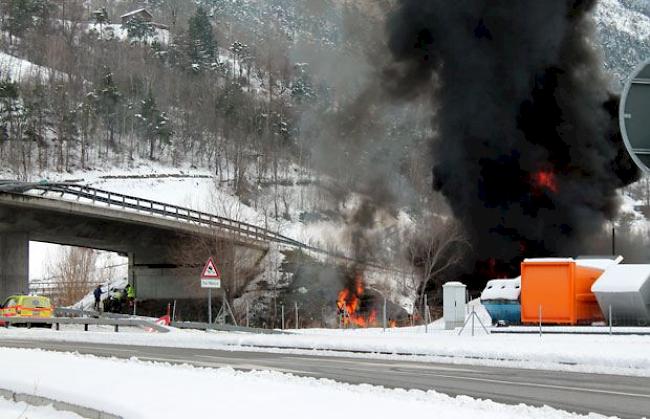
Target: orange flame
[348,303]
[546,179]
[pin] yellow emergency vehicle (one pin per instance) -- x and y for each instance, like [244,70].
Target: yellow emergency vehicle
[26,306]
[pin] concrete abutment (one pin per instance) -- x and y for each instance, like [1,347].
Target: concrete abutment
[14,264]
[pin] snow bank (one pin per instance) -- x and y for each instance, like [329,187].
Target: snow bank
[625,355]
[10,409]
[135,389]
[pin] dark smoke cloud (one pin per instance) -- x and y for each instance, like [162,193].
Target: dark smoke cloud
[527,149]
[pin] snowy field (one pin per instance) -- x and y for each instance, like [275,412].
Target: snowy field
[136,389]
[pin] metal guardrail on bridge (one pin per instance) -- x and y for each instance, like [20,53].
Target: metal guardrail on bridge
[169,211]
[149,207]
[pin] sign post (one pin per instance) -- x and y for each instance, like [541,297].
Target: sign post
[210,278]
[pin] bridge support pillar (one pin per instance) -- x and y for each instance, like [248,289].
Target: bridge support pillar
[159,275]
[14,264]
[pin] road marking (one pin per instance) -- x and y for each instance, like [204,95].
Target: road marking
[396,364]
[549,386]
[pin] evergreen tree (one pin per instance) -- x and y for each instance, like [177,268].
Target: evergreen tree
[201,38]
[101,17]
[302,89]
[108,98]
[138,29]
[153,124]
[22,15]
[9,96]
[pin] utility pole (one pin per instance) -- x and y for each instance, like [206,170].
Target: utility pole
[384,315]
[282,309]
[426,315]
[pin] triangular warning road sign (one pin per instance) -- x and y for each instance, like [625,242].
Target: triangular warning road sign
[210,271]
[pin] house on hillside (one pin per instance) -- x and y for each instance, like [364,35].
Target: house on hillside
[143,15]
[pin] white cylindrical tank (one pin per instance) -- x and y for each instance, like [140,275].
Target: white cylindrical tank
[453,304]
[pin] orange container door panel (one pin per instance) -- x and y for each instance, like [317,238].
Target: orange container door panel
[551,286]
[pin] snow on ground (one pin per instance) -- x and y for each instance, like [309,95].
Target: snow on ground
[20,410]
[110,31]
[161,390]
[625,355]
[614,13]
[19,70]
[88,301]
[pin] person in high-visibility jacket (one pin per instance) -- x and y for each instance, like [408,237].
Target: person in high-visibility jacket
[130,294]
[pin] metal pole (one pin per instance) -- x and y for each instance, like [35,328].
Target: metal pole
[540,320]
[174,312]
[247,317]
[135,306]
[610,319]
[384,315]
[426,318]
[473,314]
[295,303]
[209,305]
[282,310]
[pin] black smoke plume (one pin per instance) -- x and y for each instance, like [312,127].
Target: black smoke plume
[526,148]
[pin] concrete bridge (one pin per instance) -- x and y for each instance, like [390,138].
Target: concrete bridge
[166,245]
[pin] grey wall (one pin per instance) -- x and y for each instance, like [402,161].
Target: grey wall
[14,264]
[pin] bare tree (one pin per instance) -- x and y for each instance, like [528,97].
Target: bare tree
[437,245]
[73,273]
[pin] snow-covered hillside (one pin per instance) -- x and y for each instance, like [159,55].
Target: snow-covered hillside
[20,71]
[625,36]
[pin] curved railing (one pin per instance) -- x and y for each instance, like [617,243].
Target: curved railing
[150,207]
[155,208]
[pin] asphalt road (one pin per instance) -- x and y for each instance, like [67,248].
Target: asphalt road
[622,396]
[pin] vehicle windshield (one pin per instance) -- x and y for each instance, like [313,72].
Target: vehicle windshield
[33,302]
[10,302]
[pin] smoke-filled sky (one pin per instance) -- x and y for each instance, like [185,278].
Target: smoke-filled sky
[527,149]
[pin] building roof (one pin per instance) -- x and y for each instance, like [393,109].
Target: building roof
[135,12]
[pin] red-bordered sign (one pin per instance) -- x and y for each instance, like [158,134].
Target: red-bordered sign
[210,271]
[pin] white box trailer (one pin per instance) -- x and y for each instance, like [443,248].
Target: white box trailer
[454,304]
[626,289]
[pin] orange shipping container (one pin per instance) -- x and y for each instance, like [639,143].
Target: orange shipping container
[562,289]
